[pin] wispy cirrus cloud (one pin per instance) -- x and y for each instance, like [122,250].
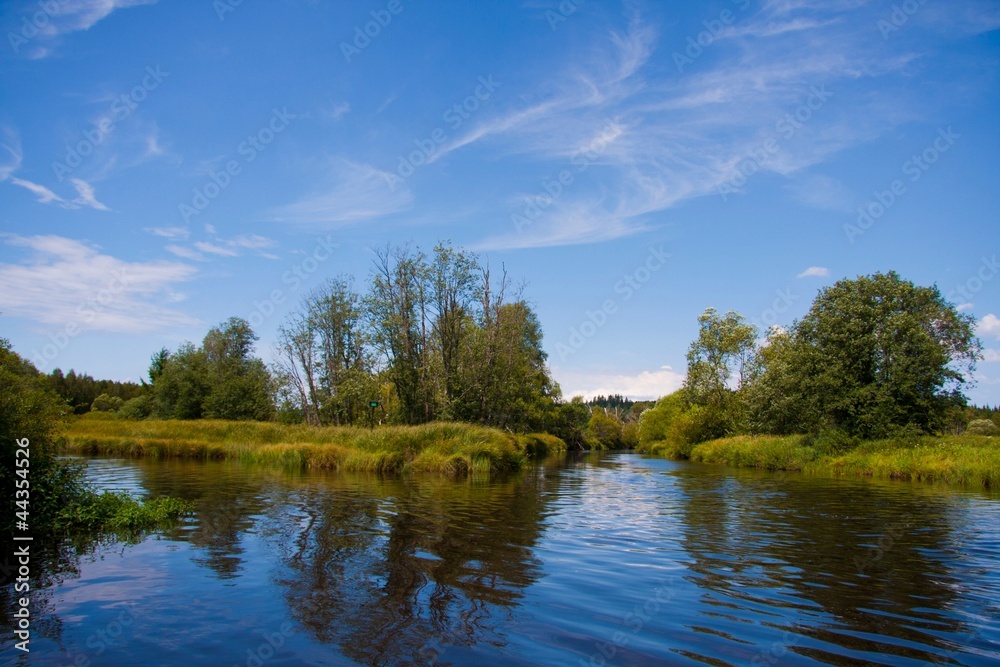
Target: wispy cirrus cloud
[86,196]
[684,135]
[355,193]
[64,281]
[216,246]
[69,16]
[10,143]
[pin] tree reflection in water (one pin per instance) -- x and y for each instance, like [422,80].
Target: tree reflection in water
[850,570]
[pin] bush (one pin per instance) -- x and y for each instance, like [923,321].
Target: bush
[140,407]
[105,403]
[982,427]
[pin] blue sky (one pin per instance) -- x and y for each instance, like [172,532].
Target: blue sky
[166,165]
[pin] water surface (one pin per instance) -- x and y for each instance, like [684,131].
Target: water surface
[609,559]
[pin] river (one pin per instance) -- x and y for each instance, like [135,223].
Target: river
[597,559]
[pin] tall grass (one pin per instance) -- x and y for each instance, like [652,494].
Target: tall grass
[966,460]
[441,447]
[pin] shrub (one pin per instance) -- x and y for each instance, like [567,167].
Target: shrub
[140,407]
[105,403]
[982,427]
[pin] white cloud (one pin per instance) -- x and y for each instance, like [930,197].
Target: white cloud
[989,326]
[185,252]
[11,144]
[64,281]
[220,247]
[814,271]
[647,385]
[43,194]
[681,137]
[339,110]
[214,249]
[72,16]
[962,307]
[170,232]
[84,190]
[86,195]
[990,355]
[358,192]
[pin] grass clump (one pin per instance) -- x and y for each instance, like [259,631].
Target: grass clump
[762,452]
[966,460]
[442,447]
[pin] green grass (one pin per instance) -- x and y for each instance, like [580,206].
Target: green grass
[966,460]
[442,447]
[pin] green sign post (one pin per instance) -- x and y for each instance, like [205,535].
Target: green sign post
[371,407]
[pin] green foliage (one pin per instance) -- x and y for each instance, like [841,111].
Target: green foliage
[982,427]
[30,411]
[220,379]
[140,407]
[105,403]
[121,513]
[80,391]
[873,355]
[568,422]
[59,498]
[604,429]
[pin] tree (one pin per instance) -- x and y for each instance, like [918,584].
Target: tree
[239,384]
[397,306]
[31,413]
[181,383]
[872,355]
[221,379]
[722,353]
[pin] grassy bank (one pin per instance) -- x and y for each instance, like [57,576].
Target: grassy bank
[968,460]
[449,448]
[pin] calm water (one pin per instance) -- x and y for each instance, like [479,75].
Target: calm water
[605,559]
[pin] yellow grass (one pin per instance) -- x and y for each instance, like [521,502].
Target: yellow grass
[442,447]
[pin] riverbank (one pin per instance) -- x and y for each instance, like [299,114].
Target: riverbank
[442,447]
[968,460]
